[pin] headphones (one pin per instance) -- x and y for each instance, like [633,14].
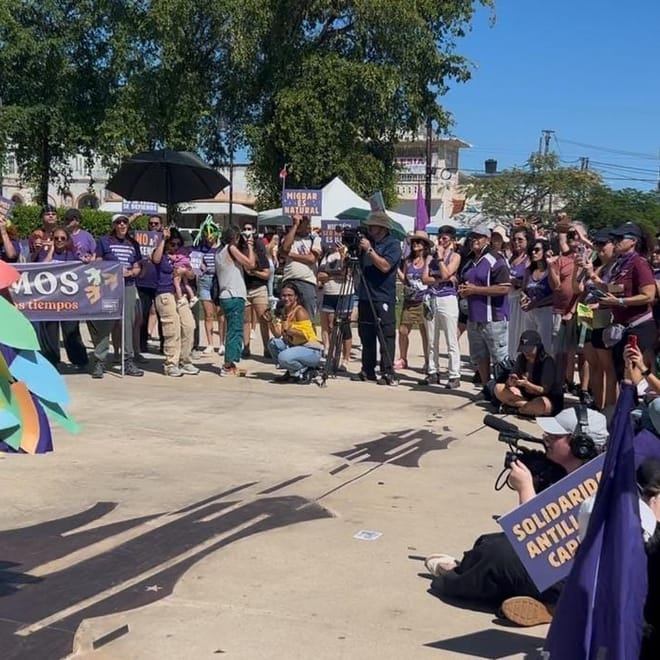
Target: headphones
[582,446]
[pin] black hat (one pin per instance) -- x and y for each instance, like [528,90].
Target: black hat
[628,229]
[648,475]
[48,208]
[530,339]
[72,214]
[603,235]
[448,230]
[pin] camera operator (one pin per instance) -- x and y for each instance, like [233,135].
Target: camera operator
[380,256]
[491,572]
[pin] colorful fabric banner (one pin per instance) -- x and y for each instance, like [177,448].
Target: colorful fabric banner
[69,291]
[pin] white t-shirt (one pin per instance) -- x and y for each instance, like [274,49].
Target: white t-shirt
[294,270]
[333,266]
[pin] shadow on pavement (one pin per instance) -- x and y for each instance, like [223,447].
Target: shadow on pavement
[491,644]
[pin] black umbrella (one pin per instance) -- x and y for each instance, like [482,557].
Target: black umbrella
[167,177]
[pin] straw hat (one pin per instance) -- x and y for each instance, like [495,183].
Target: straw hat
[419,235]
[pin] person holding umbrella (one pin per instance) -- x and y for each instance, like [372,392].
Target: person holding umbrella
[177,320]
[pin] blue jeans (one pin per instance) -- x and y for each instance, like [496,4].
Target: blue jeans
[295,359]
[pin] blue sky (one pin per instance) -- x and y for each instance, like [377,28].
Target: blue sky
[586,69]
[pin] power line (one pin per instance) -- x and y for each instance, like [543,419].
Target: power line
[620,152]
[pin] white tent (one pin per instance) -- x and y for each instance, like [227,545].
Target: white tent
[337,197]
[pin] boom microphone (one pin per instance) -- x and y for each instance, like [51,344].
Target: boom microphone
[510,430]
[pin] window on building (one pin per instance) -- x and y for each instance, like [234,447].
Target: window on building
[88,201]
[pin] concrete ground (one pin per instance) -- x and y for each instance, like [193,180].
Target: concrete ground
[210,516]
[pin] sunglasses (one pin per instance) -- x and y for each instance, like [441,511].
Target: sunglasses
[121,221]
[59,238]
[154,224]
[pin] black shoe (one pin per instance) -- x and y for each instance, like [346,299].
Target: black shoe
[307,376]
[507,410]
[453,384]
[388,379]
[431,379]
[131,370]
[476,379]
[97,369]
[363,377]
[246,353]
[283,378]
[586,398]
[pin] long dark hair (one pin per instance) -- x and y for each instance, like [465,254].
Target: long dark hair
[530,252]
[526,232]
[425,251]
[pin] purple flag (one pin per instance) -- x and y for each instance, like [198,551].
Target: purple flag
[421,214]
[601,610]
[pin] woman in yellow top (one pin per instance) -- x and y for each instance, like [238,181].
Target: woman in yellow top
[294,345]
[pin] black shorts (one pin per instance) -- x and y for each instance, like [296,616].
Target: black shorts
[597,339]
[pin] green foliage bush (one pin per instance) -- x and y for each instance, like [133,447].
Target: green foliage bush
[27,217]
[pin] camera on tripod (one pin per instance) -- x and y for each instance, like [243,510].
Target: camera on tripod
[544,471]
[351,237]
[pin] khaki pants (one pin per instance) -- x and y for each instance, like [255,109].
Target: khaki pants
[178,329]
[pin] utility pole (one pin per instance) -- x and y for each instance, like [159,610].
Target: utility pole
[584,162]
[429,163]
[547,136]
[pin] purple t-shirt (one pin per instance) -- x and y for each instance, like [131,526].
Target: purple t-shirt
[58,256]
[3,253]
[489,269]
[84,243]
[518,270]
[165,274]
[443,288]
[208,259]
[110,248]
[538,289]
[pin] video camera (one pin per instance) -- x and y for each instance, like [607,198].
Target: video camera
[544,471]
[351,237]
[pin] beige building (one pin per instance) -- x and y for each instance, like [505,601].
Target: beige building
[446,197]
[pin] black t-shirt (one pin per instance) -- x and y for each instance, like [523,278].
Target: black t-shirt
[544,374]
[252,281]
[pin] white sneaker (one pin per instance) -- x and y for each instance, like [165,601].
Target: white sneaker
[188,369]
[208,350]
[221,350]
[173,371]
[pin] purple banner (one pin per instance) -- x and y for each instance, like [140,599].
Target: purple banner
[139,207]
[544,531]
[70,290]
[301,202]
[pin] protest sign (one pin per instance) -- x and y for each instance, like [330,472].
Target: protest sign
[70,290]
[128,206]
[377,202]
[196,259]
[544,531]
[301,202]
[6,205]
[328,228]
[147,240]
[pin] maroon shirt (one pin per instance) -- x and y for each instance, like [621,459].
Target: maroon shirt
[633,272]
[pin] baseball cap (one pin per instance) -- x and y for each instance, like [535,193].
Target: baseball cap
[72,214]
[448,230]
[118,216]
[49,208]
[480,230]
[566,422]
[628,229]
[604,235]
[529,338]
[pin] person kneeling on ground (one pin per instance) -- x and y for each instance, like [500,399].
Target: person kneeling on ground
[491,572]
[532,387]
[294,345]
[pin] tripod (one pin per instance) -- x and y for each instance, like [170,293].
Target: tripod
[352,277]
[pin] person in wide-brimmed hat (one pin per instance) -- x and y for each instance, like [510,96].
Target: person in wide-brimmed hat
[411,274]
[380,254]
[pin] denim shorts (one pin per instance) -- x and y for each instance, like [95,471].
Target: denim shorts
[204,287]
[331,304]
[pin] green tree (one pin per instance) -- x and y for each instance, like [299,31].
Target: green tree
[59,69]
[331,85]
[608,208]
[538,189]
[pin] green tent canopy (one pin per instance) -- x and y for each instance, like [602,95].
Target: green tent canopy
[355,213]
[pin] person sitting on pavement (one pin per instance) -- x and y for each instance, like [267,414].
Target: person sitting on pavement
[491,572]
[176,320]
[294,345]
[532,387]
